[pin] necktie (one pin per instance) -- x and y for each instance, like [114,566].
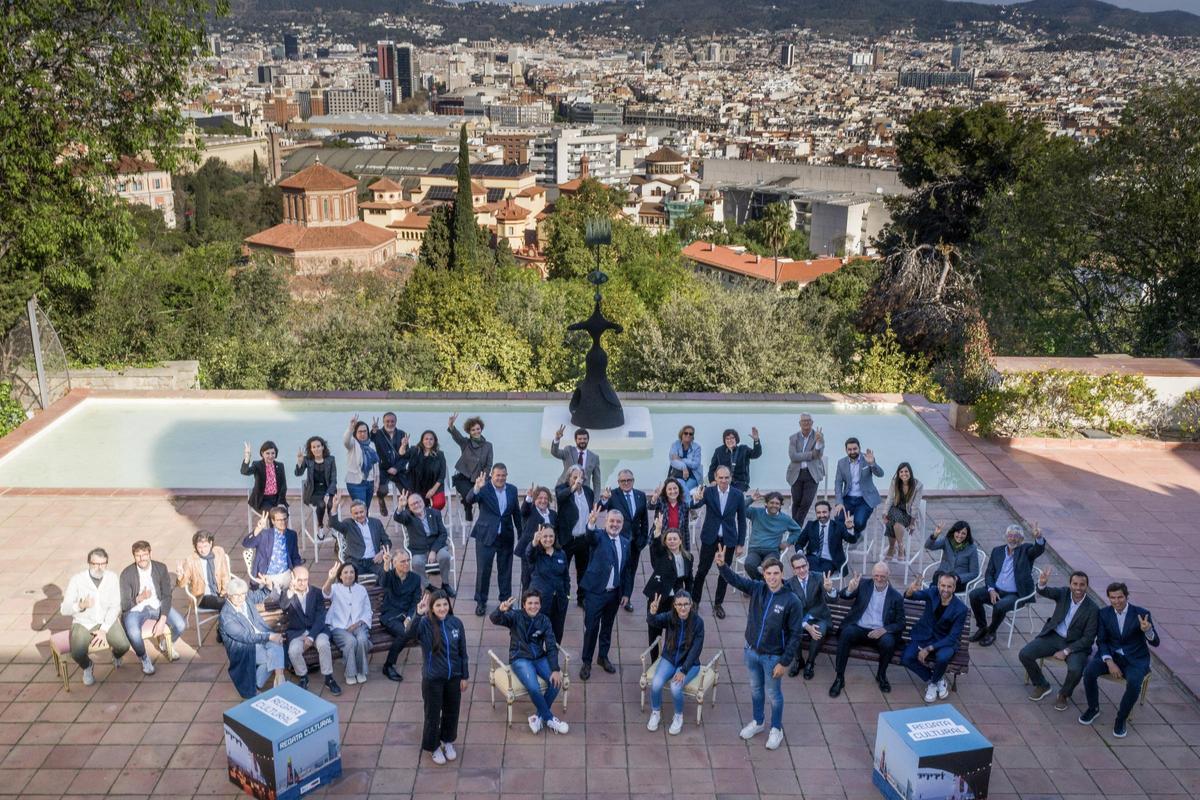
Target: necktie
[629,502]
[823,535]
[804,591]
[581,458]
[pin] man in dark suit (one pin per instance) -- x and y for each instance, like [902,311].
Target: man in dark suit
[364,540]
[724,526]
[276,552]
[391,443]
[822,539]
[1067,635]
[575,501]
[497,521]
[1124,631]
[1009,577]
[303,609]
[426,538]
[876,619]
[631,503]
[401,593]
[606,587]
[810,588]
[935,636]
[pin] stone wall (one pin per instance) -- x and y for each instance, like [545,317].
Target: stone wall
[169,375]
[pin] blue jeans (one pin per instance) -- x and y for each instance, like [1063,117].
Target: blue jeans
[761,667]
[361,491]
[527,673]
[860,510]
[662,677]
[134,620]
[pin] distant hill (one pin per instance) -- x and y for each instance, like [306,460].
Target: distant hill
[651,19]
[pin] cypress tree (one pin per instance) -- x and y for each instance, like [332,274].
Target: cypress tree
[464,235]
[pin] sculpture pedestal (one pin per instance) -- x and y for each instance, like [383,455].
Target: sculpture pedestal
[634,439]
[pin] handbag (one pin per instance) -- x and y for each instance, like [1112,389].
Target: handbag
[438,500]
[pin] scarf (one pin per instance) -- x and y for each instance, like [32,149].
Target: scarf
[210,569]
[369,457]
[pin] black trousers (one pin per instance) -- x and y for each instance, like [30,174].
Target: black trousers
[394,626]
[814,645]
[578,550]
[635,557]
[554,606]
[707,553]
[463,485]
[804,491]
[854,635]
[502,553]
[442,698]
[598,616]
[980,597]
[1045,647]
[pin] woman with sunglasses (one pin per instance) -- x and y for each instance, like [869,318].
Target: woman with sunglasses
[685,456]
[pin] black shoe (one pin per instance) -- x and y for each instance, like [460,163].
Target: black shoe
[390,673]
[795,668]
[1119,730]
[332,685]
[480,610]
[469,513]
[585,672]
[629,606]
[606,665]
[836,688]
[719,611]
[988,640]
[884,686]
[979,633]
[449,590]
[579,600]
[303,682]
[1089,716]
[809,671]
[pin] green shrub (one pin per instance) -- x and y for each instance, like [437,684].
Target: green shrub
[1185,415]
[884,368]
[969,372]
[1059,402]
[11,412]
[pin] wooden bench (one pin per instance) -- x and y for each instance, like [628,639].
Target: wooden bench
[913,609]
[381,639]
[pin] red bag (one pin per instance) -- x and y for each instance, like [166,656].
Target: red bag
[438,501]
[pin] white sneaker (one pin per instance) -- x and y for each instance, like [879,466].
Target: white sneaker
[931,692]
[752,730]
[557,725]
[655,718]
[89,676]
[535,724]
[439,757]
[774,738]
[943,689]
[676,725]
[448,749]
[147,665]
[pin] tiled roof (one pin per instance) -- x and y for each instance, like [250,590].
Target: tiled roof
[664,155]
[318,178]
[303,239]
[748,264]
[385,185]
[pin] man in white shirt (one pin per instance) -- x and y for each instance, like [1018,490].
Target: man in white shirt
[146,588]
[1067,636]
[93,601]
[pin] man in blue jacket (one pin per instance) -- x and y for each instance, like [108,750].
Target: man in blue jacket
[774,623]
[303,608]
[1009,577]
[1122,652]
[606,587]
[935,636]
[724,527]
[498,519]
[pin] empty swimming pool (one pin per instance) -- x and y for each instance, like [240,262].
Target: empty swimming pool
[195,442]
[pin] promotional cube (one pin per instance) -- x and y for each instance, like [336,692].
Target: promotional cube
[283,743]
[931,753]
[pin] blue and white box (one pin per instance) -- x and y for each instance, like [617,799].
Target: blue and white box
[283,744]
[931,753]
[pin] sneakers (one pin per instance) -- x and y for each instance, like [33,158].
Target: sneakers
[557,725]
[752,730]
[89,676]
[147,665]
[931,693]
[774,739]
[332,685]
[535,723]
[1038,692]
[655,718]
[448,749]
[1060,702]
[1089,716]
[943,689]
[1119,729]
[676,725]
[439,757]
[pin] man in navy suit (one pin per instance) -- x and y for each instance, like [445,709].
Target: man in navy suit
[606,587]
[875,620]
[1122,652]
[724,526]
[303,610]
[276,552]
[631,503]
[575,501]
[821,539]
[364,538]
[497,520]
[1009,577]
[935,636]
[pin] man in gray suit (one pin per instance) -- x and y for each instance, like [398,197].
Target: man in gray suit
[577,455]
[854,484]
[806,466]
[1067,635]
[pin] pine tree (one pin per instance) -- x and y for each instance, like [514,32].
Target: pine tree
[464,240]
[255,175]
[435,247]
[203,210]
[504,254]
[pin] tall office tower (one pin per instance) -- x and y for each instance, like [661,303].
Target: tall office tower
[291,47]
[956,56]
[407,72]
[787,56]
[714,51]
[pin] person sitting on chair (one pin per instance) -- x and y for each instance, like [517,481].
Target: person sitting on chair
[1067,635]
[270,479]
[255,651]
[93,601]
[901,510]
[811,589]
[303,609]
[1121,652]
[428,538]
[146,588]
[276,552]
[876,619]
[960,556]
[823,539]
[768,527]
[1009,577]
[364,538]
[401,592]
[205,572]
[935,636]
[533,654]
[683,641]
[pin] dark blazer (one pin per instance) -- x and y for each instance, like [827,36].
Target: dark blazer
[637,519]
[308,469]
[1023,558]
[938,633]
[426,471]
[602,562]
[1131,641]
[809,540]
[355,546]
[1082,630]
[303,616]
[258,470]
[400,596]
[240,636]
[490,525]
[738,462]
[813,600]
[532,520]
[893,606]
[130,586]
[388,448]
[264,542]
[730,527]
[418,540]
[664,578]
[774,621]
[568,513]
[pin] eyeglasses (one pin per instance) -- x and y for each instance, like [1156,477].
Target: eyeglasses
[97,563]
[624,480]
[689,433]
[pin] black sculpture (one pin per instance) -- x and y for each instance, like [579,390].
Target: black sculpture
[594,403]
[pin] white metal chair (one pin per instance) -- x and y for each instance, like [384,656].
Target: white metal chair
[501,677]
[452,580]
[971,584]
[310,529]
[704,682]
[203,616]
[1026,602]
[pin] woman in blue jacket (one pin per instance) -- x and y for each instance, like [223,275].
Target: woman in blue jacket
[444,672]
[551,577]
[683,640]
[533,654]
